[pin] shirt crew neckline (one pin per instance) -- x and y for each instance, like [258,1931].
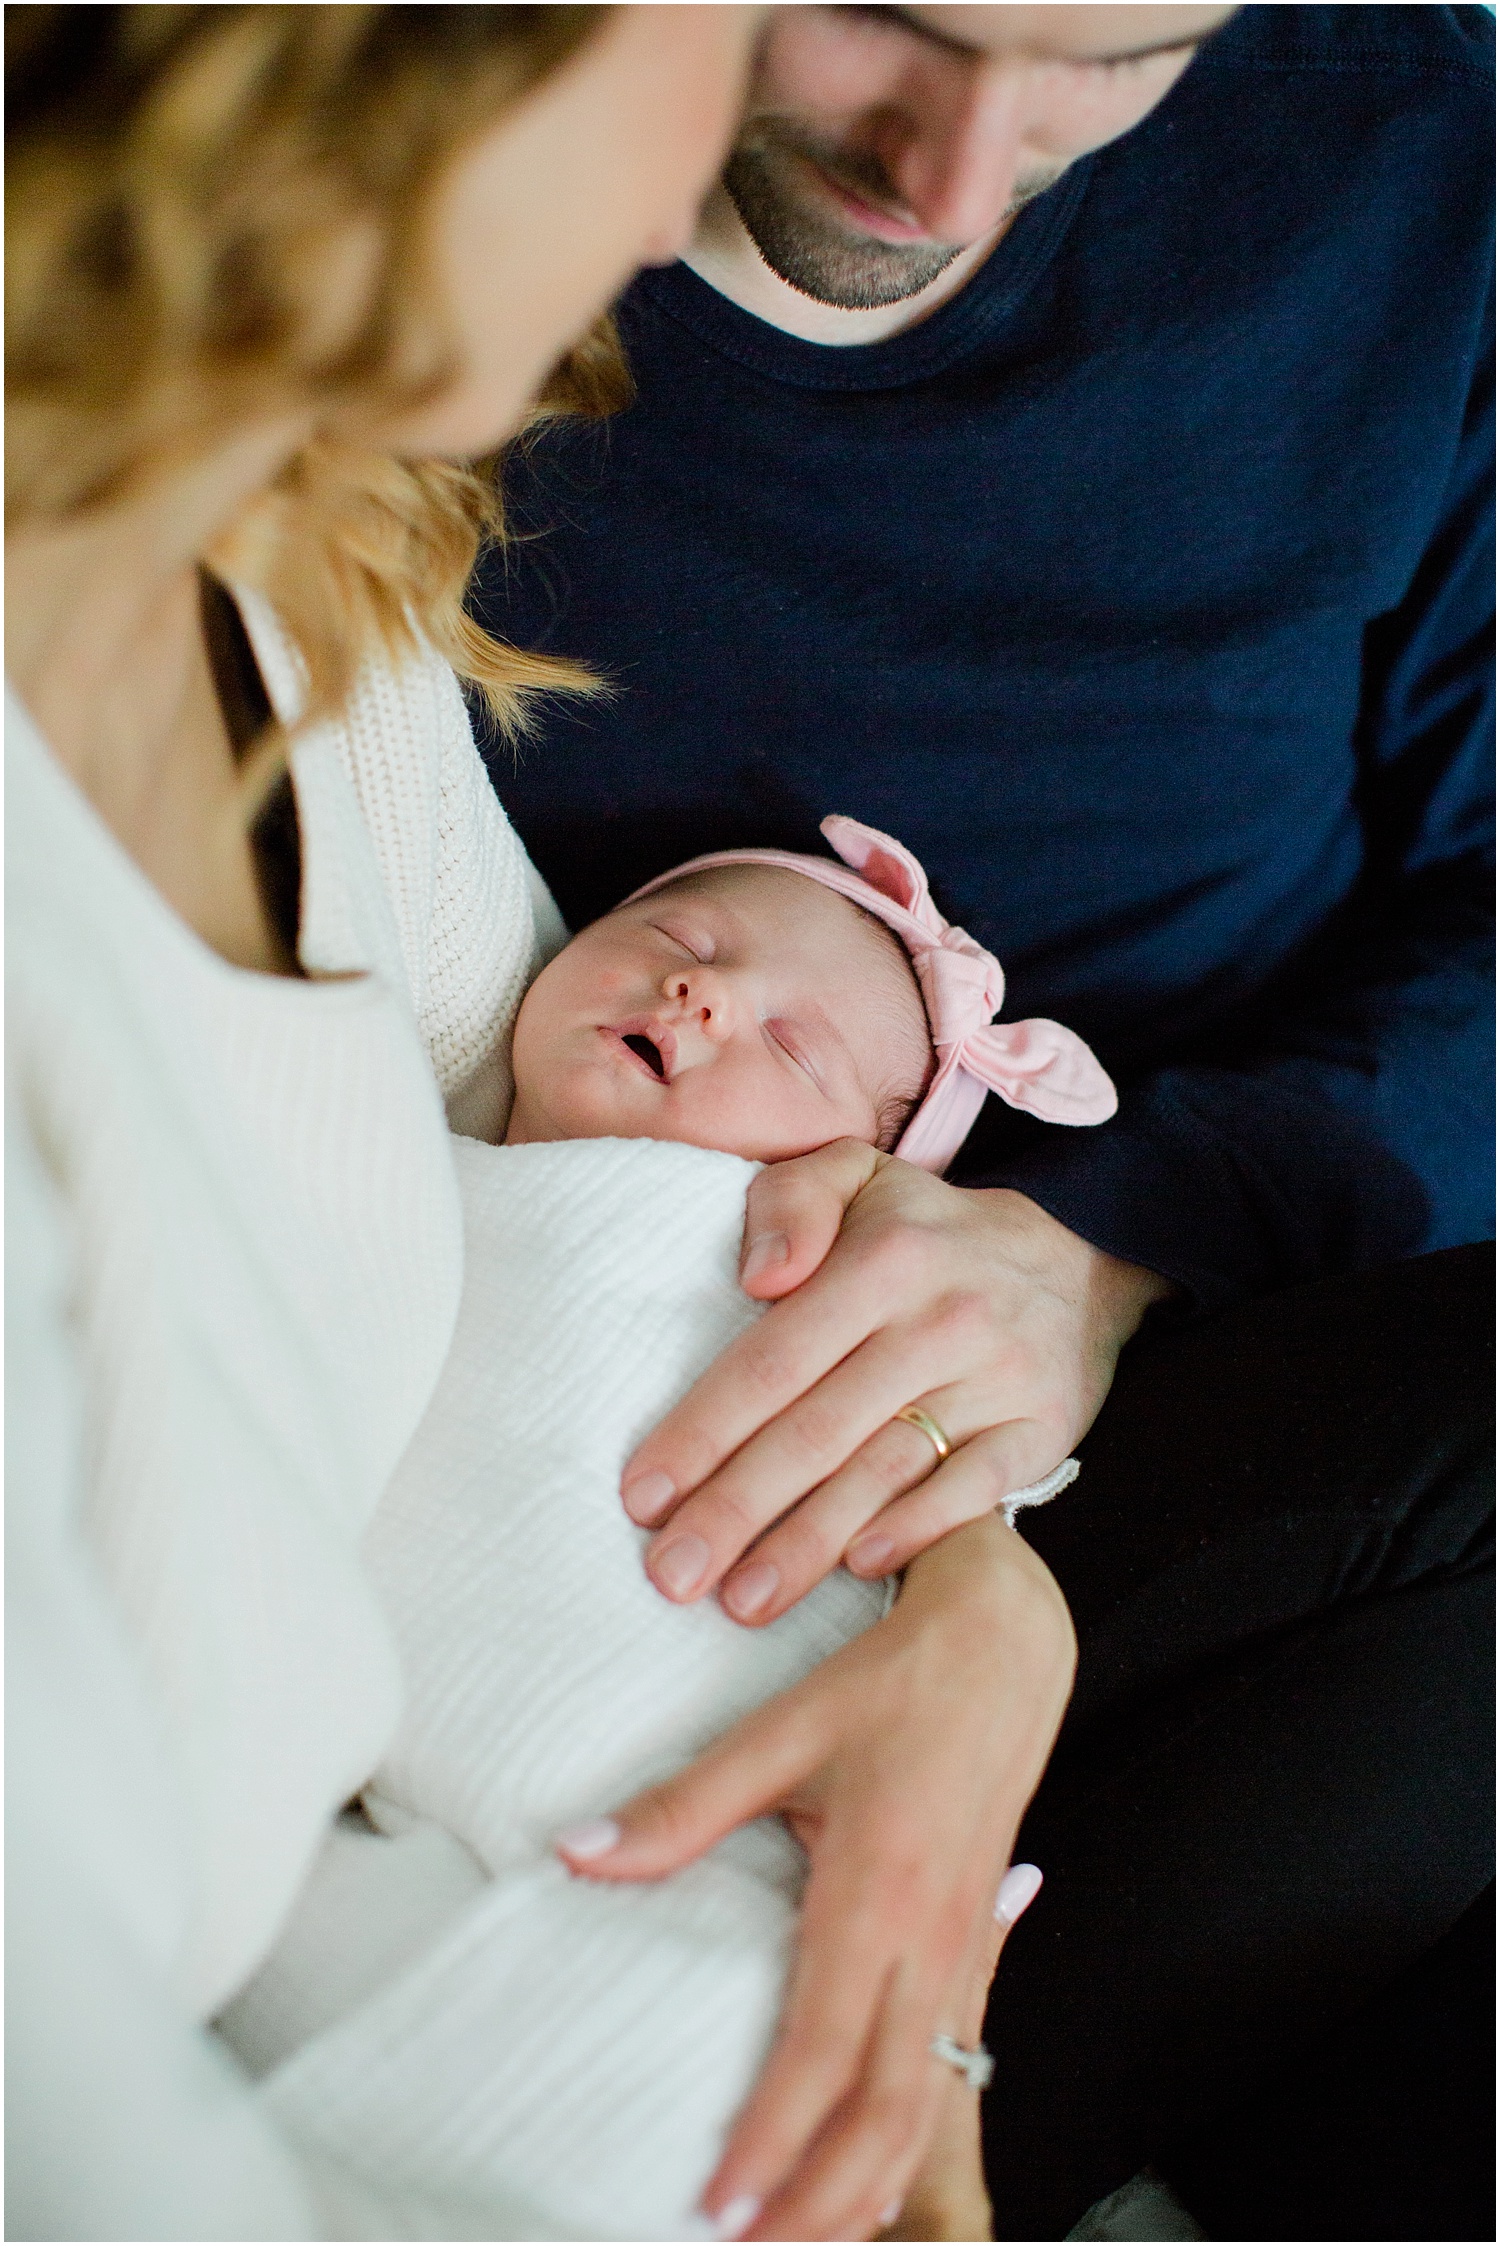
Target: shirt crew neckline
[956,328]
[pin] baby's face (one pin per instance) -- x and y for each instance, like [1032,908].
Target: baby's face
[750,1010]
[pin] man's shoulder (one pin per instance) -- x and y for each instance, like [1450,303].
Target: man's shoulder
[1385,114]
[1411,41]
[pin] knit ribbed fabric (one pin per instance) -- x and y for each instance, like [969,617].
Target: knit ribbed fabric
[453,878]
[235,1261]
[560,2059]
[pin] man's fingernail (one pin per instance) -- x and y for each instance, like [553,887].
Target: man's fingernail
[680,1567]
[648,1496]
[753,1588]
[734,2220]
[888,2214]
[766,1249]
[870,1555]
[595,1837]
[1019,1888]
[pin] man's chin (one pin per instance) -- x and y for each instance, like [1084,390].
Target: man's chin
[850,271]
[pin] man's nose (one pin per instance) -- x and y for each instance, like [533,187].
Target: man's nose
[700,995]
[953,148]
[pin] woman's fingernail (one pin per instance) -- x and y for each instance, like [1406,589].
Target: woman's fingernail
[753,1588]
[888,2214]
[734,2220]
[648,1496]
[679,1568]
[595,1837]
[1019,1888]
[870,1555]
[766,1249]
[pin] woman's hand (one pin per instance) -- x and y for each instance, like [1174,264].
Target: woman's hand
[950,2195]
[903,1764]
[786,1456]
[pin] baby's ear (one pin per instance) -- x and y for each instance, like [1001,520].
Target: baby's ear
[880,859]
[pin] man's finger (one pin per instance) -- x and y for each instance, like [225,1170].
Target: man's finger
[815,1536]
[978,1477]
[793,1213]
[788,1352]
[802,1447]
[811,1539]
[809,1542]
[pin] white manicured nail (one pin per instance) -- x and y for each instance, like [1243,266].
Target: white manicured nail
[888,2215]
[595,1837]
[734,2220]
[1019,1888]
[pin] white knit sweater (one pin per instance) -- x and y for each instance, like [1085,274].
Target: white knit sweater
[495,2048]
[233,1265]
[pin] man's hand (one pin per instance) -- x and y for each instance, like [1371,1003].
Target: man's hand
[904,1765]
[786,1456]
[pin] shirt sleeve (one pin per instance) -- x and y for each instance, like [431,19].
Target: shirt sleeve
[471,920]
[475,919]
[1346,1120]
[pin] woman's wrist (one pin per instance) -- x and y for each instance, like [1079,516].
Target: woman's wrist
[988,1580]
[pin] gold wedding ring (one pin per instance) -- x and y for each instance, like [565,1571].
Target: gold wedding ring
[925,1424]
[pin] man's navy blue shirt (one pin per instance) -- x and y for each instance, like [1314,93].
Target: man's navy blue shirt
[1145,592]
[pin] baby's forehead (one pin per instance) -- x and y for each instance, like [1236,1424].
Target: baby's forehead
[773,897]
[811,922]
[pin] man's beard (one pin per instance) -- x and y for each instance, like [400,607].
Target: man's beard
[812,252]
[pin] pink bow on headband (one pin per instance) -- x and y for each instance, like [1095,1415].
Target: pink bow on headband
[1037,1066]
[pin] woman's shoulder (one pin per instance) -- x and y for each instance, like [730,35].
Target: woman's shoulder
[459,879]
[466,903]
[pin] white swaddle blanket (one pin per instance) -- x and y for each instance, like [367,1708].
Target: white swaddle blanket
[499,2049]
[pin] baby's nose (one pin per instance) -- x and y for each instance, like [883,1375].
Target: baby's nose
[702,997]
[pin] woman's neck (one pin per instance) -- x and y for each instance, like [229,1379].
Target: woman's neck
[101,608]
[106,647]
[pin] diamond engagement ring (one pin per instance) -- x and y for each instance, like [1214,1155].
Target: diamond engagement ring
[976,2066]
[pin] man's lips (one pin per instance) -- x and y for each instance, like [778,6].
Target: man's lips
[868,217]
[642,1031]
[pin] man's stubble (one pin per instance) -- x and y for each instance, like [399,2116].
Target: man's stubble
[811,252]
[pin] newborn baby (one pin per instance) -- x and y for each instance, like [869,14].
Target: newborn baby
[493,2047]
[743,1008]
[765,1003]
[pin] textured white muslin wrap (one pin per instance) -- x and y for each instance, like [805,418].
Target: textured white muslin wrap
[496,2048]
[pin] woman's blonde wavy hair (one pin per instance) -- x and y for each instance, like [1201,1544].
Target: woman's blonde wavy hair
[180,181]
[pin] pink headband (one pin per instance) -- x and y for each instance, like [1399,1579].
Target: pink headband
[1038,1066]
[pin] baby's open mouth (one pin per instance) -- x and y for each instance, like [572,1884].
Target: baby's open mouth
[647,1052]
[650,1044]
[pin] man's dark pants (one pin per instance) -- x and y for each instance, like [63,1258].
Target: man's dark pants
[1272,1795]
